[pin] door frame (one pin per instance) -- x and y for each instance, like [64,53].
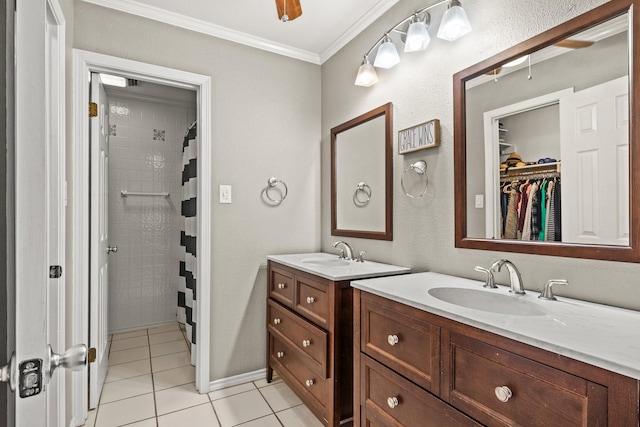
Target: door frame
[85,62]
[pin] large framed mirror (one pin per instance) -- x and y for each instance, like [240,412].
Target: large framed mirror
[362,176]
[547,156]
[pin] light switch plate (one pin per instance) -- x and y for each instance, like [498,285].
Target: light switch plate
[479,201]
[225,194]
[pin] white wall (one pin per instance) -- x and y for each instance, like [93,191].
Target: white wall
[421,89]
[265,122]
[145,154]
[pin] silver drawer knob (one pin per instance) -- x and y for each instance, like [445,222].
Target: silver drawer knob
[281,286]
[309,383]
[280,354]
[276,321]
[503,393]
[306,343]
[393,339]
[392,402]
[310,300]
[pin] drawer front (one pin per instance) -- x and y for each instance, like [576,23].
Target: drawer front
[406,344]
[312,300]
[531,393]
[288,361]
[300,333]
[281,285]
[387,399]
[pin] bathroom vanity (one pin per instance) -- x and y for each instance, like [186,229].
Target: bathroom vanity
[310,328]
[434,350]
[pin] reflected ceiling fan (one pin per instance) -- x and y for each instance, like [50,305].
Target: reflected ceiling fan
[567,43]
[288,10]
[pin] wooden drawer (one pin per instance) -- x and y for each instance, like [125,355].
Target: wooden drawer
[540,395]
[406,344]
[310,340]
[287,361]
[415,407]
[281,285]
[312,300]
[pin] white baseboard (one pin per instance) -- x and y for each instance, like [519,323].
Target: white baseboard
[237,379]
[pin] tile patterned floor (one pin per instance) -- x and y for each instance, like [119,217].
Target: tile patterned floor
[150,383]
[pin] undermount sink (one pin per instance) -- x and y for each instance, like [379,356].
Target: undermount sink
[487,301]
[324,262]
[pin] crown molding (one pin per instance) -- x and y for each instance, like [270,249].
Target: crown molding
[376,12]
[157,14]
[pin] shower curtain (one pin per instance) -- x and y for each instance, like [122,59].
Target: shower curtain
[188,260]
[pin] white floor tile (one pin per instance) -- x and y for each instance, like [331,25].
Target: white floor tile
[164,328]
[131,355]
[177,398]
[241,408]
[128,343]
[126,411]
[268,421]
[166,337]
[128,370]
[198,416]
[151,422]
[125,389]
[230,391]
[91,418]
[168,348]
[174,377]
[170,361]
[300,416]
[263,382]
[125,335]
[280,397]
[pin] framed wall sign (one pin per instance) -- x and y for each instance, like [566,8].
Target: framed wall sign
[419,137]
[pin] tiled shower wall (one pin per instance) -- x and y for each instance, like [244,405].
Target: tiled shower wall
[145,149]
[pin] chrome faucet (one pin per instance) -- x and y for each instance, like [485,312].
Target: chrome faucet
[514,275]
[347,252]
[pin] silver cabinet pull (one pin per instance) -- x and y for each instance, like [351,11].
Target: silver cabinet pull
[306,343]
[392,402]
[393,339]
[503,393]
[113,249]
[280,354]
[310,300]
[276,321]
[309,383]
[281,285]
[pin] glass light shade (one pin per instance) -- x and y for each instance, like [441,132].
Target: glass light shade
[112,80]
[367,75]
[516,61]
[455,23]
[387,55]
[417,37]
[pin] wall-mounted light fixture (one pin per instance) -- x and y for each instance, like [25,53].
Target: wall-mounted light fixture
[415,35]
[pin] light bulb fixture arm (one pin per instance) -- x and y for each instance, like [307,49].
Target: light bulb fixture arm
[396,27]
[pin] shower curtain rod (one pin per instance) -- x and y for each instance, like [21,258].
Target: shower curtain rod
[125,193]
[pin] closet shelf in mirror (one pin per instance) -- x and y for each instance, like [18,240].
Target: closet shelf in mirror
[530,169]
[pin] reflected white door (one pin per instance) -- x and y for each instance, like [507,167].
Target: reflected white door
[594,131]
[38,217]
[99,277]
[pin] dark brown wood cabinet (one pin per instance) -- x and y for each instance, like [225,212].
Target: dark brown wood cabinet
[414,368]
[310,340]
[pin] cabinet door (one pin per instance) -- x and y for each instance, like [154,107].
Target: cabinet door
[313,299]
[499,388]
[281,285]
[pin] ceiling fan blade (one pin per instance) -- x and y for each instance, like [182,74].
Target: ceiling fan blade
[573,44]
[294,9]
[494,72]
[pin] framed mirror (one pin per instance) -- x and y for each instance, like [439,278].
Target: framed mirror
[546,149]
[361,176]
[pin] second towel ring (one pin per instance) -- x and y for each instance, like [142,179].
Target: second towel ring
[420,168]
[358,200]
[273,182]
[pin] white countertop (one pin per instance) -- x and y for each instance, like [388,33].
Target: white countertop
[331,267]
[604,336]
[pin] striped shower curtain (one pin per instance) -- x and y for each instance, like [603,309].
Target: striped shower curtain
[188,261]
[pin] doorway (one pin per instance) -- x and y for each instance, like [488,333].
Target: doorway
[85,63]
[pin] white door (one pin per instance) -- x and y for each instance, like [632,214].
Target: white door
[99,277]
[37,189]
[595,164]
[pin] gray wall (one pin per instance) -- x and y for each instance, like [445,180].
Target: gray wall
[265,122]
[421,89]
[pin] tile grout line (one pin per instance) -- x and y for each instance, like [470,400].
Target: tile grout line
[153,382]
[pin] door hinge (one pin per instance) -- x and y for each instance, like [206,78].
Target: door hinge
[93,109]
[55,271]
[91,357]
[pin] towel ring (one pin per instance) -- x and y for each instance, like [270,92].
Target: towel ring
[273,182]
[363,188]
[420,168]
